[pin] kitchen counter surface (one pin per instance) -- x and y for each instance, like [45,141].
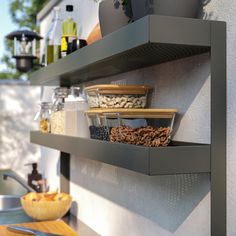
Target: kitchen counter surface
[81,228]
[11,187]
[20,217]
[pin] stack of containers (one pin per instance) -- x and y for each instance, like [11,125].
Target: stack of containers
[118,113]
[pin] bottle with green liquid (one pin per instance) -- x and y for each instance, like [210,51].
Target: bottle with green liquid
[54,38]
[69,33]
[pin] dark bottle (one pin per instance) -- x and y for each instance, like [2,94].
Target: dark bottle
[34,177]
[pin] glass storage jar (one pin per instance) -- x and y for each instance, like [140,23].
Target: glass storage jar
[58,113]
[43,116]
[75,118]
[146,127]
[117,96]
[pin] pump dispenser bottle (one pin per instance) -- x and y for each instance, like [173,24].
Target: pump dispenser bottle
[34,177]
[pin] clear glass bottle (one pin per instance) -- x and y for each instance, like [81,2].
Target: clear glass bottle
[58,113]
[53,39]
[44,116]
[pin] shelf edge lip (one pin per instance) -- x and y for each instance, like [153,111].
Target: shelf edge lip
[185,31]
[175,142]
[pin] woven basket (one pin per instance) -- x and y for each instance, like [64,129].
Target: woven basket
[46,210]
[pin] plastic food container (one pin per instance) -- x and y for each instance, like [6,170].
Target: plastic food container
[146,127]
[117,96]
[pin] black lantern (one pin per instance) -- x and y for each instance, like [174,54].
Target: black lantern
[24,48]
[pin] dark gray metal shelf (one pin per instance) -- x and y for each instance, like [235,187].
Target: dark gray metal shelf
[176,159]
[151,40]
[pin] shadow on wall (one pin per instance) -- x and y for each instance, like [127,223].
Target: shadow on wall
[165,200]
[206,15]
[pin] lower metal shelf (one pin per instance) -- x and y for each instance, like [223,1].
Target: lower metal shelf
[178,158]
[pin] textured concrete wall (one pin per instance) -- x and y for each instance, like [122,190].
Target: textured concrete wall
[135,204]
[18,104]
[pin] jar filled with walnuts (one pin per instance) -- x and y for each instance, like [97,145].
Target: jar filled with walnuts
[43,116]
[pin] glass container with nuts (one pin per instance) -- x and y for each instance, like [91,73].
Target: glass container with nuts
[117,96]
[146,127]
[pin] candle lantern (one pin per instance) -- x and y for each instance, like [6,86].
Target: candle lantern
[24,48]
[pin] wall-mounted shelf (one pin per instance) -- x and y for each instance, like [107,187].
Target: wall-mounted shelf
[176,159]
[151,40]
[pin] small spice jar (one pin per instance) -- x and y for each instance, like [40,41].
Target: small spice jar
[44,117]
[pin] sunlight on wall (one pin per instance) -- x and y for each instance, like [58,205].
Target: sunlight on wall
[19,104]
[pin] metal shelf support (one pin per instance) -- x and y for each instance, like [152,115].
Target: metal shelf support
[218,129]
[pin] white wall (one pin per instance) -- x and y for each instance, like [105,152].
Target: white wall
[18,104]
[114,201]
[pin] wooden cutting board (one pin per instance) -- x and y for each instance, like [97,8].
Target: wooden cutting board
[54,227]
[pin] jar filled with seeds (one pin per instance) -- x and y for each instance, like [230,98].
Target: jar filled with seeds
[145,127]
[98,128]
[58,113]
[43,116]
[117,96]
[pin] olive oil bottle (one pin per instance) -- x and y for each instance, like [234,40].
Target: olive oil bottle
[69,33]
[54,38]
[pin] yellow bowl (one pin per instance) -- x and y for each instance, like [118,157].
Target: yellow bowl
[46,210]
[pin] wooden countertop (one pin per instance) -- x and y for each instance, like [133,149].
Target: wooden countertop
[54,227]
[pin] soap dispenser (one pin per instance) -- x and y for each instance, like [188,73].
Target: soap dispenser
[34,177]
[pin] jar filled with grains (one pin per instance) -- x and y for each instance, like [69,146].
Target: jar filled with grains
[58,113]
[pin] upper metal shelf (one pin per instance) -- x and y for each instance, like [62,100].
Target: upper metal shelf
[148,41]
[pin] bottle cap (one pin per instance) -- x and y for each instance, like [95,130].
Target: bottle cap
[69,8]
[57,8]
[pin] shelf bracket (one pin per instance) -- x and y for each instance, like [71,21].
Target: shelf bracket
[65,172]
